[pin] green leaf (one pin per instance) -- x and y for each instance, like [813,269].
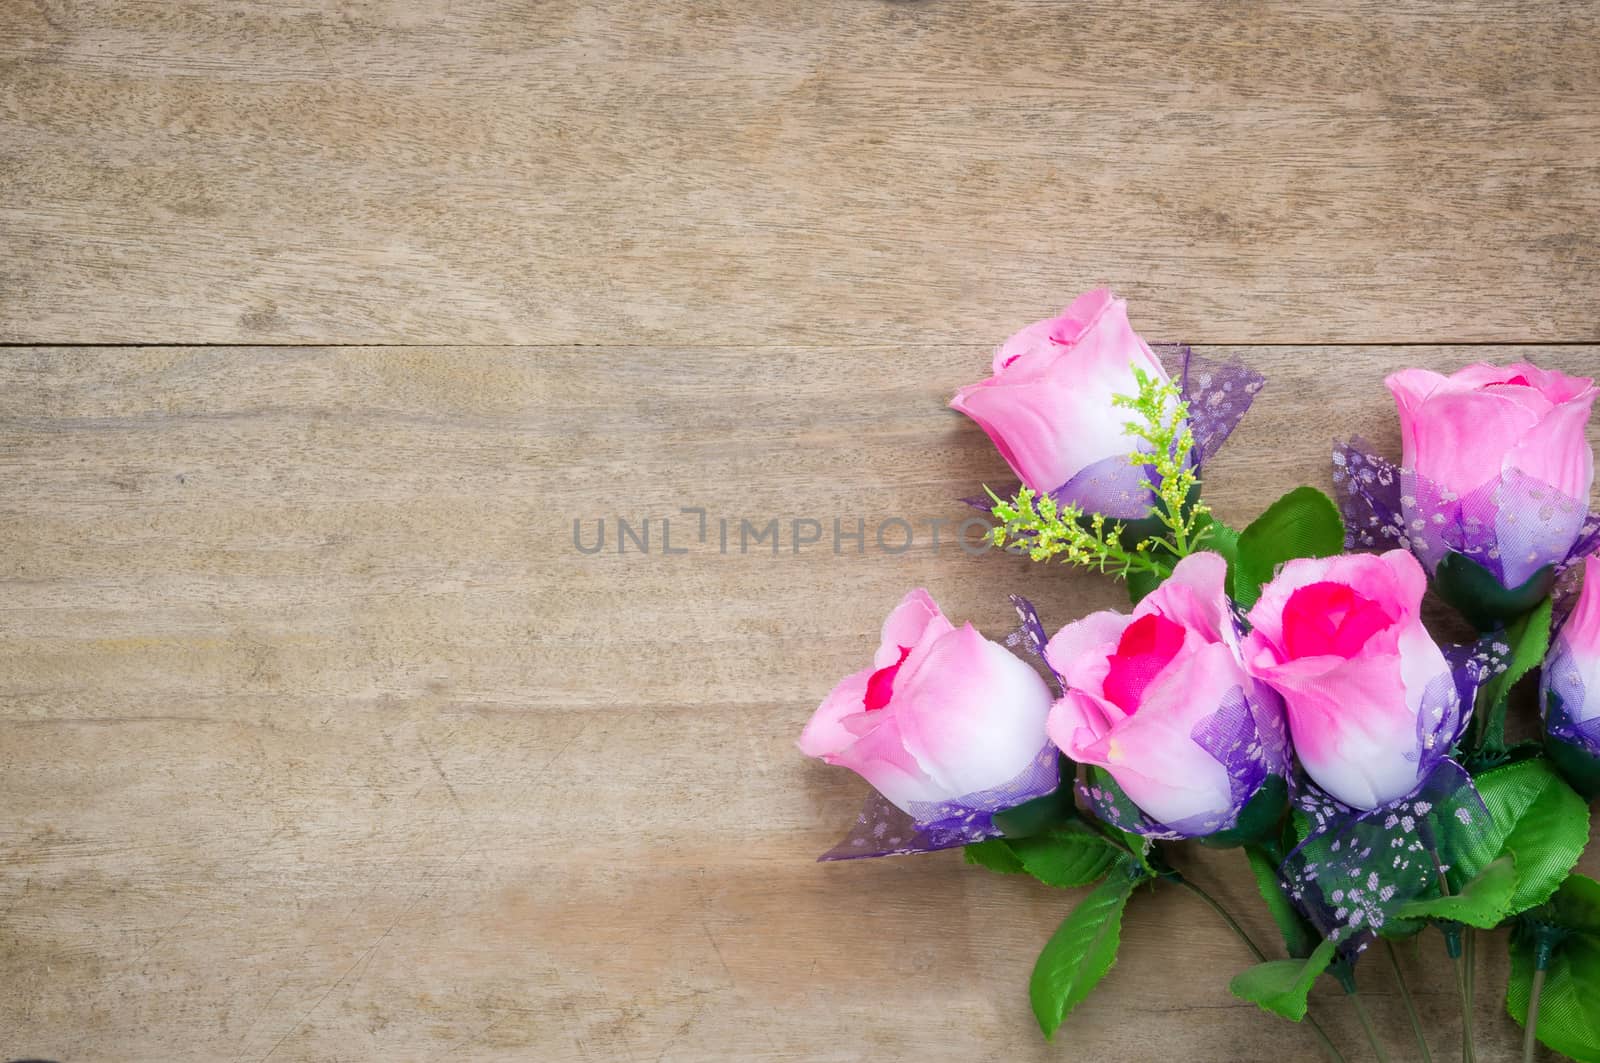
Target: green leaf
[1281,986]
[1137,845]
[1537,816]
[1397,929]
[1303,523]
[1139,850]
[1223,540]
[1066,859]
[1478,595]
[1079,953]
[1299,828]
[994,854]
[1569,1021]
[1482,902]
[1529,639]
[1576,906]
[1297,936]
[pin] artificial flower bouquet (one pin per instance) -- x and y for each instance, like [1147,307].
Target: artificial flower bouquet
[1273,688]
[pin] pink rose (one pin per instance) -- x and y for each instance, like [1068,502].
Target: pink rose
[1342,640]
[1569,688]
[943,713]
[1048,405]
[1161,700]
[1488,444]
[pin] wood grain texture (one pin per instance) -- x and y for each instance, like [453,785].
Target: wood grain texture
[701,172]
[319,740]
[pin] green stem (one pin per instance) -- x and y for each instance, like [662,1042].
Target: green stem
[1238,931]
[1411,1007]
[1460,950]
[1366,1024]
[1175,521]
[1222,912]
[1529,1035]
[1468,1051]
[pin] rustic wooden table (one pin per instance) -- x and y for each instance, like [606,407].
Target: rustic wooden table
[326,319]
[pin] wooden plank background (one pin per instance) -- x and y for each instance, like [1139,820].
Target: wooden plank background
[764,172]
[320,740]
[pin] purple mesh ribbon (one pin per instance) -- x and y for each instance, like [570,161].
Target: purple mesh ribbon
[1030,637]
[1245,735]
[1218,393]
[1355,869]
[1512,527]
[885,830]
[1569,575]
[1562,696]
[1114,487]
[1474,664]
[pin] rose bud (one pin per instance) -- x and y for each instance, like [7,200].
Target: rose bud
[942,714]
[1048,406]
[1161,700]
[1497,471]
[1569,689]
[1341,638]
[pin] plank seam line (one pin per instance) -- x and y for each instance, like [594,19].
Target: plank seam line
[32,344]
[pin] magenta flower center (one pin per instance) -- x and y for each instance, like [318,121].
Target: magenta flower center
[1330,619]
[1147,646]
[880,685]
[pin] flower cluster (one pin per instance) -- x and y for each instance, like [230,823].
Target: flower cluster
[1273,688]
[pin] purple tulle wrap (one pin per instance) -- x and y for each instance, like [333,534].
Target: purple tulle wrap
[1244,735]
[1031,639]
[1562,697]
[1219,394]
[1512,527]
[884,830]
[1356,868]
